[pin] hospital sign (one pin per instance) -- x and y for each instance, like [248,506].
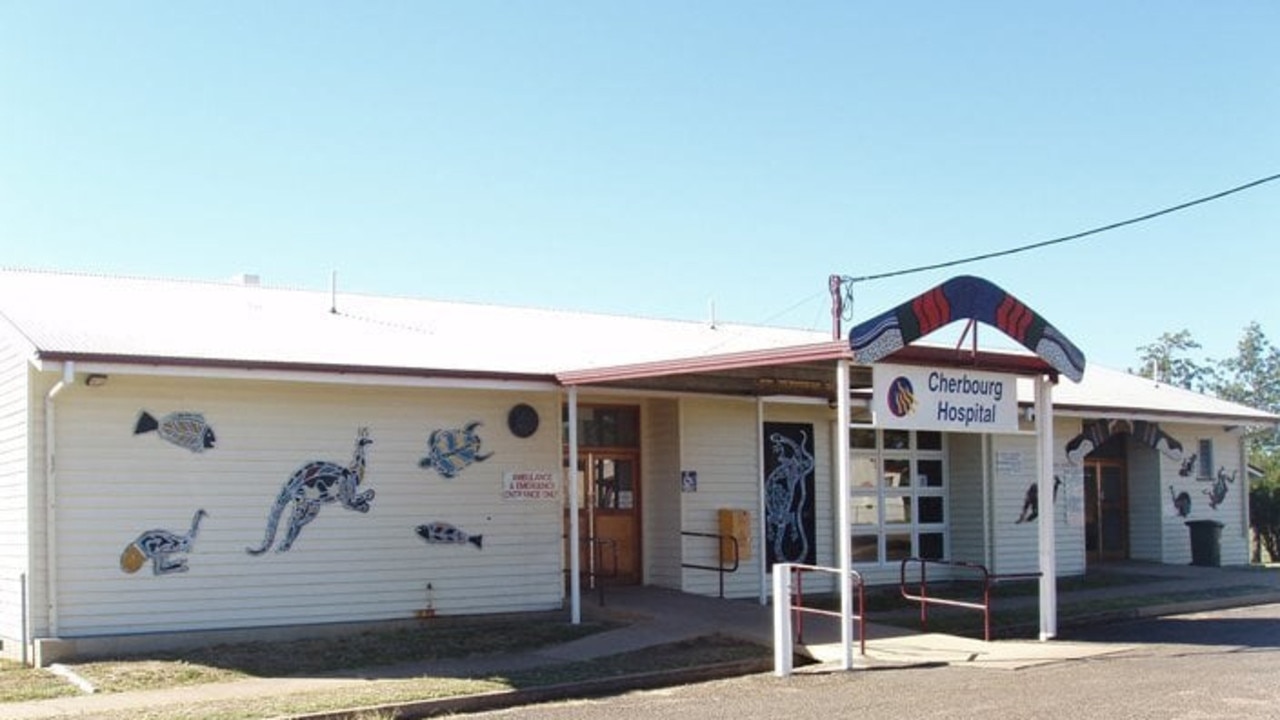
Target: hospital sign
[921,397]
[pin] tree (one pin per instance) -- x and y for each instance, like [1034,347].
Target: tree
[1252,378]
[1161,361]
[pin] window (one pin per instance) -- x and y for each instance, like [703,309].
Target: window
[605,426]
[1206,459]
[898,495]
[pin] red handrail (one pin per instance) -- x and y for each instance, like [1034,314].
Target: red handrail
[988,580]
[798,608]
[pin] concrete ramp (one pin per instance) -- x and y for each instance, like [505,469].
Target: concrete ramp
[939,649]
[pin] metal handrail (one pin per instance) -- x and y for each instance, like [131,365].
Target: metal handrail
[592,572]
[718,569]
[988,580]
[798,608]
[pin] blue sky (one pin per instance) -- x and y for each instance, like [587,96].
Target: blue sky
[650,158]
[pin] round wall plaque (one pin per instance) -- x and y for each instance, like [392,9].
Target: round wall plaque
[522,420]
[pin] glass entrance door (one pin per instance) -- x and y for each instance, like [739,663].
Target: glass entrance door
[1106,503]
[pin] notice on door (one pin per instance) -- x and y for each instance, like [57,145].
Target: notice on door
[531,485]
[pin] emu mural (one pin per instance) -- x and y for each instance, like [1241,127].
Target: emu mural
[788,492]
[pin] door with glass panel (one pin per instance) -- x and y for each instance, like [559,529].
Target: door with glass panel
[611,516]
[609,489]
[1106,510]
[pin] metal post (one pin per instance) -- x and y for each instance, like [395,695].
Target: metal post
[1048,522]
[782,652]
[571,477]
[761,509]
[842,514]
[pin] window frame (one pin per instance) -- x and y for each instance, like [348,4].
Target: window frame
[877,493]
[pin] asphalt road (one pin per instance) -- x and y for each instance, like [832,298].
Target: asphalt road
[1222,664]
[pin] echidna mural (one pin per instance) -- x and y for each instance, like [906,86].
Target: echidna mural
[161,547]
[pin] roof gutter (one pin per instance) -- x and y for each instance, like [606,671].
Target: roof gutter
[1113,413]
[390,376]
[51,494]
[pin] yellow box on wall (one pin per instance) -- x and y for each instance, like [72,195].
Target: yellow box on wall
[735,524]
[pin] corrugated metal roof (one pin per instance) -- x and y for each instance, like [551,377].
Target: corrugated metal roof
[67,315]
[1105,390]
[71,314]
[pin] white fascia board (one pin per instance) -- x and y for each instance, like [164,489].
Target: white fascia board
[300,376]
[1166,417]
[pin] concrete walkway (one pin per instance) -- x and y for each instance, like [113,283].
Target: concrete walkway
[657,616]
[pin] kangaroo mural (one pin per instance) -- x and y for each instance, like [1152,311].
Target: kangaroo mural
[311,487]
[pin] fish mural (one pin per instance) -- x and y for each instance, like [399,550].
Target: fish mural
[441,533]
[1181,502]
[450,452]
[311,487]
[185,429]
[160,547]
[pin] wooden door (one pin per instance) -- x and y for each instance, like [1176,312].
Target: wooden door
[610,517]
[1106,506]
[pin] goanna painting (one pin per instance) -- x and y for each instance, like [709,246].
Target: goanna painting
[311,487]
[788,492]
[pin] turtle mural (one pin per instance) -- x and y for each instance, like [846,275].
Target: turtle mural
[449,452]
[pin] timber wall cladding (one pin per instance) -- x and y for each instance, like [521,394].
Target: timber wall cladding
[14,466]
[344,565]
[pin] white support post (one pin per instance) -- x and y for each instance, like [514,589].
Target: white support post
[571,477]
[1048,521]
[782,650]
[842,513]
[761,510]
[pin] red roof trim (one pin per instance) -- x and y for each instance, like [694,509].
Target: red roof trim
[980,360]
[831,350]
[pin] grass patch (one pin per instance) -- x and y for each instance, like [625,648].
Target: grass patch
[674,656]
[433,641]
[19,683]
[383,692]
[708,650]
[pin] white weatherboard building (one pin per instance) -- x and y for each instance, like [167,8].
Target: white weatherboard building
[181,457]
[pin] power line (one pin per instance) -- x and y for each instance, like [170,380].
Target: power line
[1076,236]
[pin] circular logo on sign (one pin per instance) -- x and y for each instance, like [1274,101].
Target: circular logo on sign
[902,397]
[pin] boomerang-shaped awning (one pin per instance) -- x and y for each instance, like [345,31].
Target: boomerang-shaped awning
[960,298]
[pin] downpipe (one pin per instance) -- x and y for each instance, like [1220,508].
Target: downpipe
[51,495]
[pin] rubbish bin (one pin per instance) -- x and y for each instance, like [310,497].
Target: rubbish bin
[1206,542]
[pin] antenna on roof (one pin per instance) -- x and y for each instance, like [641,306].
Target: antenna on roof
[712,304]
[333,292]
